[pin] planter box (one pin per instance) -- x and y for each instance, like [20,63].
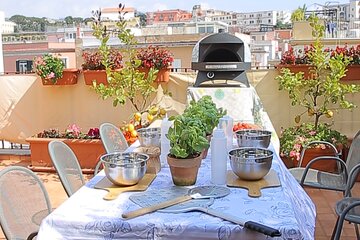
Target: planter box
[87,151]
[352,73]
[163,75]
[98,75]
[70,77]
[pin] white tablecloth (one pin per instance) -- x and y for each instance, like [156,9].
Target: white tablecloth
[86,215]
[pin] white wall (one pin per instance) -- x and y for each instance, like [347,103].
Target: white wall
[2,20]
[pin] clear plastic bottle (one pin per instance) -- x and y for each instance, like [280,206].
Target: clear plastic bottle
[165,143]
[218,157]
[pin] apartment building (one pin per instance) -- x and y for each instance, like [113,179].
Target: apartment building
[165,16]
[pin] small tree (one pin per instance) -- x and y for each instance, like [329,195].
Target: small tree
[323,93]
[128,84]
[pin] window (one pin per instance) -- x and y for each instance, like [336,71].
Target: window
[65,61]
[177,65]
[201,29]
[24,66]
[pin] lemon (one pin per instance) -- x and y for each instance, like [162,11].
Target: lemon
[329,114]
[137,116]
[162,111]
[133,133]
[131,127]
[150,117]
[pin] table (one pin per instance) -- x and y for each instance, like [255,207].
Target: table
[85,215]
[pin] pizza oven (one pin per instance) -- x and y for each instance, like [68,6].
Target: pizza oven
[220,56]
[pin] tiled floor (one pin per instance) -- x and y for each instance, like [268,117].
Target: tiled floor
[324,200]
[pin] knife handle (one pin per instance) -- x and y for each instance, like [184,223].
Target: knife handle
[269,231]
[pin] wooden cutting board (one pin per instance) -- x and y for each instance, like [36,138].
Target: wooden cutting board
[114,190]
[253,187]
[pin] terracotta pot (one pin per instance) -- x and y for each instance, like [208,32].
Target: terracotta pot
[184,171]
[70,77]
[296,68]
[98,75]
[352,74]
[162,76]
[87,151]
[310,154]
[153,164]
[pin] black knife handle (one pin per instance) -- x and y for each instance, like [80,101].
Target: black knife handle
[262,229]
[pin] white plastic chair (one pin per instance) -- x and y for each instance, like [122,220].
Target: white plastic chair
[67,166]
[24,202]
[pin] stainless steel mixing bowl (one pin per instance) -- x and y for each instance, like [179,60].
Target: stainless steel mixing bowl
[149,137]
[253,138]
[124,169]
[250,163]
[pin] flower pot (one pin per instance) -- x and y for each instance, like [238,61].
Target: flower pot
[352,73]
[87,151]
[98,75]
[163,75]
[184,171]
[70,77]
[310,154]
[296,68]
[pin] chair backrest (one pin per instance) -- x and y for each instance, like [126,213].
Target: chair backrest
[24,202]
[67,166]
[330,146]
[353,157]
[112,138]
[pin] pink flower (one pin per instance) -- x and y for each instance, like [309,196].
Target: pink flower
[51,75]
[312,133]
[75,130]
[292,154]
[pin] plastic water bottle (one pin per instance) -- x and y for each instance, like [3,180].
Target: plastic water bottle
[226,123]
[165,143]
[218,157]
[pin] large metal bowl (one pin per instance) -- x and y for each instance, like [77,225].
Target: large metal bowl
[149,137]
[253,138]
[124,169]
[250,163]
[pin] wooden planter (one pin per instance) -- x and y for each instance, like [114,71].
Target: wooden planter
[162,76]
[70,77]
[184,171]
[98,75]
[87,151]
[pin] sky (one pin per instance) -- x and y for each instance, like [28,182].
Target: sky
[83,8]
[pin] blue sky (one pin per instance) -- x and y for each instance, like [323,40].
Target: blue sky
[83,8]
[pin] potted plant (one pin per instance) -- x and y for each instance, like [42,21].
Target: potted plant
[51,70]
[205,110]
[187,141]
[298,60]
[94,69]
[128,84]
[321,94]
[157,58]
[87,147]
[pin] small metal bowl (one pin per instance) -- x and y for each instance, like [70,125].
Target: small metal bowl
[253,138]
[124,169]
[250,163]
[149,137]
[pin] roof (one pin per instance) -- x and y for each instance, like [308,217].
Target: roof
[116,10]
